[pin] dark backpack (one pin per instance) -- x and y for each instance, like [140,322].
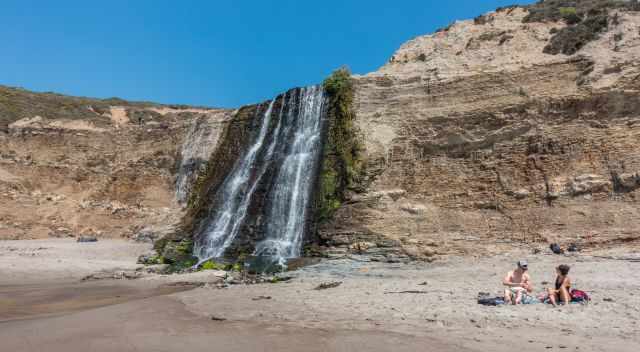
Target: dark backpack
[555,248]
[579,296]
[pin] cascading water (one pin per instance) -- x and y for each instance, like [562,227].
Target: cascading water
[293,184]
[290,153]
[236,192]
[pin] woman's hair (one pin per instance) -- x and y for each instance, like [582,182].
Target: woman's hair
[563,269]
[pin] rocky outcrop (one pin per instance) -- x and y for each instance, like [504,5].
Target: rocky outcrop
[245,189]
[486,141]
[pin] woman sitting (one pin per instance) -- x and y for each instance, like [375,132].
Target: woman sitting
[561,293]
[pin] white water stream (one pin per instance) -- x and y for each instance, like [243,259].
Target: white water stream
[293,149]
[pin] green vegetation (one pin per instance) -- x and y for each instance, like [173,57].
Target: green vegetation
[18,103]
[571,39]
[185,263]
[197,190]
[570,15]
[342,161]
[586,19]
[567,11]
[212,265]
[157,259]
[178,254]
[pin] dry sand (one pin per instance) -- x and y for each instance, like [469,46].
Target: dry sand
[64,260]
[368,311]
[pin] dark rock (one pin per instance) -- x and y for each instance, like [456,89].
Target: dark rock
[146,235]
[157,269]
[177,251]
[297,263]
[263,265]
[87,239]
[149,259]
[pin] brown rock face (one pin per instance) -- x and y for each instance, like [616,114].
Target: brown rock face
[72,166]
[482,141]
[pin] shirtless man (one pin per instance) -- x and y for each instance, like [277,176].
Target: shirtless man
[517,283]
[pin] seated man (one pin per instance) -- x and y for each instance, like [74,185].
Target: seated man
[518,283]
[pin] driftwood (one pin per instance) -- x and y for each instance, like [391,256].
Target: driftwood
[261,298]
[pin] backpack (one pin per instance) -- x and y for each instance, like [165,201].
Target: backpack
[555,248]
[579,296]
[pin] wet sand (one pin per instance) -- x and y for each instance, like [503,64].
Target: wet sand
[163,324]
[31,301]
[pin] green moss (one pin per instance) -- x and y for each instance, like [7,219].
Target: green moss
[157,259]
[196,194]
[186,263]
[185,247]
[211,265]
[342,158]
[177,253]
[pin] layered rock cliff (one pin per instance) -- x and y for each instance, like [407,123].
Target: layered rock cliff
[72,166]
[480,140]
[518,128]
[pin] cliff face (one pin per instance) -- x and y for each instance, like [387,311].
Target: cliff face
[519,127]
[479,140]
[71,166]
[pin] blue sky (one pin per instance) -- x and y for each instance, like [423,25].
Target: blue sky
[213,53]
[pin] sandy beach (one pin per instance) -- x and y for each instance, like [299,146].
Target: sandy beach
[377,306]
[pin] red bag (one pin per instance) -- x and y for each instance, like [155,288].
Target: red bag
[579,296]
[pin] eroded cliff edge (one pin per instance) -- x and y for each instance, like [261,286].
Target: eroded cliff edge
[108,168]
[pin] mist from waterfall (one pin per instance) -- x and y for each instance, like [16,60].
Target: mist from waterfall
[291,150]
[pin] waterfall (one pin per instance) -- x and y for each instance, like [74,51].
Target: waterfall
[288,151]
[292,187]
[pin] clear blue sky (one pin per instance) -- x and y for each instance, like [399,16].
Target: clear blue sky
[213,53]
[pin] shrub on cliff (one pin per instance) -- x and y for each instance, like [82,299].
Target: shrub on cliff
[571,39]
[586,19]
[342,163]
